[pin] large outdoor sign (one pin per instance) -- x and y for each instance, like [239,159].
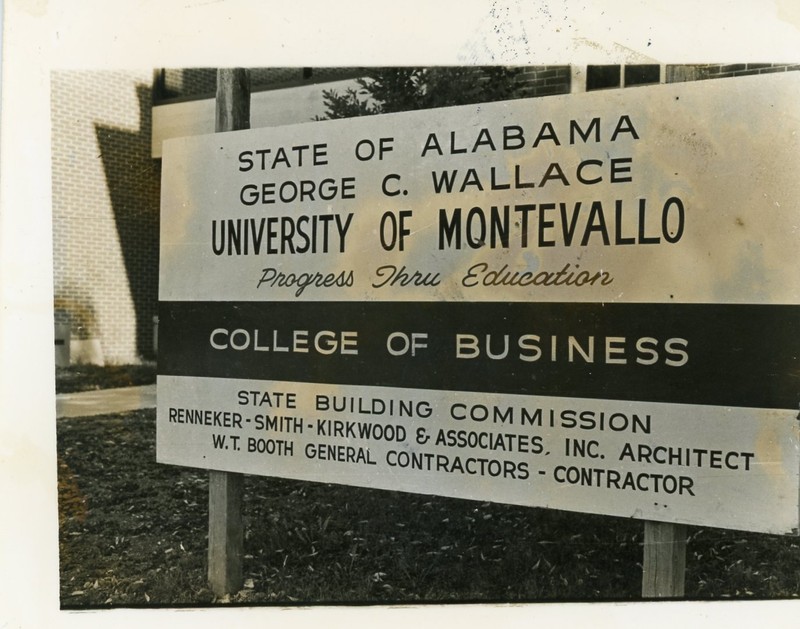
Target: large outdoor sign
[585,302]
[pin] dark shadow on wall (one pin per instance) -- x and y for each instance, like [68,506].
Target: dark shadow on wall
[133,180]
[184,83]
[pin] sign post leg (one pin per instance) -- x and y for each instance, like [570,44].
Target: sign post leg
[664,573]
[225,528]
[225,532]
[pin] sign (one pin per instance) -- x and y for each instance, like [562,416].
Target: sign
[584,302]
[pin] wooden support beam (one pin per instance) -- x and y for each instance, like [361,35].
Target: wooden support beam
[233,99]
[225,489]
[225,532]
[664,574]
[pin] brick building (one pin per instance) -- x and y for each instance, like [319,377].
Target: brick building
[107,129]
[105,214]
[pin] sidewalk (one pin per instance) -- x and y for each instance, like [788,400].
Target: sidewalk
[105,401]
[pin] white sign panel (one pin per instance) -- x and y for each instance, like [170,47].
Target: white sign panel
[677,193]
[585,302]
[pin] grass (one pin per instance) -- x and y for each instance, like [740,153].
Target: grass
[134,533]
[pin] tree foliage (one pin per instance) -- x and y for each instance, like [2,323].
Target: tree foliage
[387,90]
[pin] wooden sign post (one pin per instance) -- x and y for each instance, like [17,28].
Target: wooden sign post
[664,573]
[225,530]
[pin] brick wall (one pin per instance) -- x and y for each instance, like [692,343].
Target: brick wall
[201,82]
[188,82]
[716,71]
[533,81]
[699,72]
[543,81]
[191,83]
[105,211]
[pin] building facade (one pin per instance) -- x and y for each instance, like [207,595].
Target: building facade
[105,188]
